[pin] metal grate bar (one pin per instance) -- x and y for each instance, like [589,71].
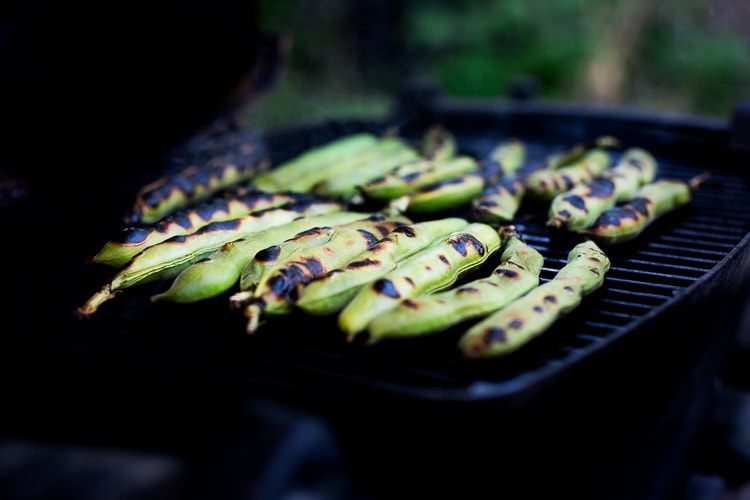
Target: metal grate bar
[643,284]
[637,295]
[645,264]
[690,252]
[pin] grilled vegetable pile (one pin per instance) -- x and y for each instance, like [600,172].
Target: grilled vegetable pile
[390,238]
[517,273]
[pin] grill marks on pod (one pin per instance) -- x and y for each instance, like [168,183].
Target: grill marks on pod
[503,189]
[384,242]
[495,335]
[413,176]
[193,179]
[636,162]
[186,220]
[306,268]
[597,188]
[233,224]
[469,290]
[224,225]
[437,186]
[463,241]
[387,288]
[361,264]
[600,188]
[500,334]
[407,231]
[269,254]
[597,265]
[633,212]
[508,273]
[562,181]
[374,237]
[460,243]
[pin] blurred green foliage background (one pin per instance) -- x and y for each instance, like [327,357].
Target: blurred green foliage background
[349,58]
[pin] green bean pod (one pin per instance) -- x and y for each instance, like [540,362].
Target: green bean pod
[170,257]
[446,194]
[314,160]
[344,184]
[118,251]
[579,207]
[530,315]
[410,177]
[517,273]
[196,183]
[329,293]
[278,255]
[627,221]
[219,271]
[271,295]
[430,270]
[545,184]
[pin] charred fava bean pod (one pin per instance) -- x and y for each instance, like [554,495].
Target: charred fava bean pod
[196,183]
[278,255]
[384,147]
[329,293]
[218,272]
[430,270]
[579,207]
[447,194]
[313,160]
[530,315]
[503,160]
[271,295]
[345,184]
[412,176]
[546,184]
[170,257]
[517,273]
[500,201]
[627,221]
[118,252]
[394,183]
[575,153]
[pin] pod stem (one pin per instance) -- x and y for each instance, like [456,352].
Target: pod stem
[240,299]
[96,300]
[253,313]
[699,179]
[507,233]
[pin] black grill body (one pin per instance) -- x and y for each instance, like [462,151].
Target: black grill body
[607,404]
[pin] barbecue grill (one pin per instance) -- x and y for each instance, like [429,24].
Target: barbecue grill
[609,403]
